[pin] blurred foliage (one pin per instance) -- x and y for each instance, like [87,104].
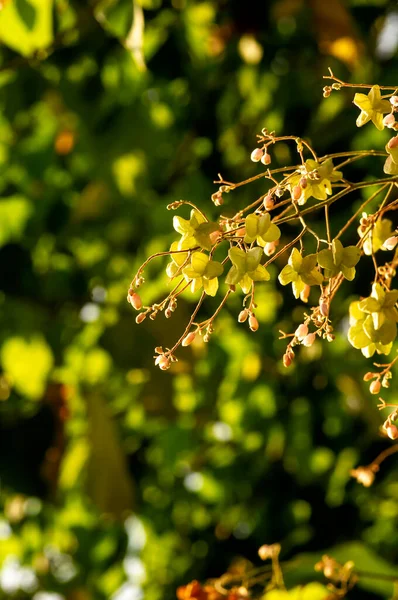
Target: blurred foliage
[119,481]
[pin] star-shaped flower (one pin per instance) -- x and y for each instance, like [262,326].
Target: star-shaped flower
[203,272]
[339,259]
[260,228]
[246,268]
[300,272]
[319,187]
[373,107]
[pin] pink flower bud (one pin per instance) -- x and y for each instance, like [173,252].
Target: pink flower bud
[139,318]
[301,331]
[375,386]
[296,192]
[242,317]
[214,236]
[389,120]
[391,242]
[392,431]
[270,247]
[188,339]
[268,202]
[394,100]
[253,323]
[135,300]
[257,154]
[303,183]
[324,308]
[393,143]
[309,339]
[266,158]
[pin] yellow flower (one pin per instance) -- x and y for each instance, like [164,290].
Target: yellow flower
[372,107]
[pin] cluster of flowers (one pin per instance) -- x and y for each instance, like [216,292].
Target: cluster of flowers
[253,241]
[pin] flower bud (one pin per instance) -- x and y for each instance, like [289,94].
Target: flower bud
[375,386]
[301,331]
[242,317]
[385,382]
[279,192]
[303,183]
[324,308]
[168,312]
[391,242]
[257,154]
[296,192]
[214,236]
[135,300]
[309,339]
[392,431]
[266,158]
[188,339]
[163,362]
[139,318]
[268,202]
[253,323]
[369,375]
[389,120]
[270,247]
[393,143]
[394,100]
[287,360]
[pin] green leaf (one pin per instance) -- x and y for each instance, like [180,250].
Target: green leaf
[27,25]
